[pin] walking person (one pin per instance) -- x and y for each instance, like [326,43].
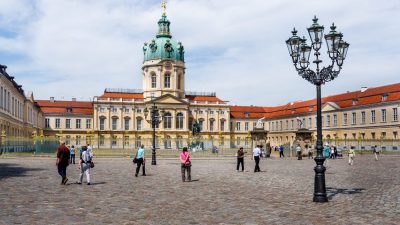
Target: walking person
[352,155]
[298,152]
[140,161]
[240,158]
[85,165]
[72,155]
[62,162]
[310,152]
[256,157]
[376,152]
[281,149]
[186,165]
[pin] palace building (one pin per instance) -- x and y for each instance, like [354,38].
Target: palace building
[121,118]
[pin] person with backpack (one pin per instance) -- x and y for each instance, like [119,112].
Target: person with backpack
[62,161]
[185,165]
[85,164]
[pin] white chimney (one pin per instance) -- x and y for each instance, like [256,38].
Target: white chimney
[51,99]
[363,89]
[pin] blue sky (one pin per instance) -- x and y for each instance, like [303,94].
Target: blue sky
[77,48]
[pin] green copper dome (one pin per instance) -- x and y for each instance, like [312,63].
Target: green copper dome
[163,47]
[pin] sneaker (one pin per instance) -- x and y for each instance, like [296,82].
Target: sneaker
[65,181]
[78,182]
[135,174]
[144,175]
[88,183]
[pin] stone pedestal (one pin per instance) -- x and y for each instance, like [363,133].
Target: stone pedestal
[259,137]
[303,137]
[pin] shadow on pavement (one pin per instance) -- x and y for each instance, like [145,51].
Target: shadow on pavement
[332,192]
[14,170]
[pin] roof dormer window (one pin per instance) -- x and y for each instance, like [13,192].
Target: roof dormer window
[246,115]
[384,97]
[355,101]
[69,109]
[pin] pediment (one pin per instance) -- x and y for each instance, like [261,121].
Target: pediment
[330,106]
[168,99]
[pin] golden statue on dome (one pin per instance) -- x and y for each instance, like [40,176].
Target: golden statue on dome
[164,6]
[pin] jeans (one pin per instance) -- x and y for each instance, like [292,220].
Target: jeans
[85,167]
[72,159]
[62,170]
[257,167]
[240,161]
[138,164]
[281,155]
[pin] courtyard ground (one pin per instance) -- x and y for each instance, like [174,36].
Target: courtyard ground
[366,193]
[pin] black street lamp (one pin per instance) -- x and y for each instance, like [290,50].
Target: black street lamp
[155,120]
[300,53]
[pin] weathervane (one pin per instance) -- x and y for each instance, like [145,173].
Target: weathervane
[164,6]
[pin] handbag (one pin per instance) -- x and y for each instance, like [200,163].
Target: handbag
[134,160]
[91,164]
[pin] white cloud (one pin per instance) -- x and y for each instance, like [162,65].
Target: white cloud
[78,48]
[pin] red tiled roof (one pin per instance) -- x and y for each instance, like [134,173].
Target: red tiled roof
[203,98]
[121,95]
[344,100]
[58,107]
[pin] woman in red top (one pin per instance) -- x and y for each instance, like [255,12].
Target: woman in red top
[185,164]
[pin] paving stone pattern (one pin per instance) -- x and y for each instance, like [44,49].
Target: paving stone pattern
[366,193]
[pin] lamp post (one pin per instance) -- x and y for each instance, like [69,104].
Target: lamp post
[154,120]
[300,54]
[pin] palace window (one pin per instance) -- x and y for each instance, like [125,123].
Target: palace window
[138,124]
[222,125]
[328,120]
[126,123]
[114,123]
[67,140]
[1,97]
[126,110]
[334,120]
[57,123]
[153,81]
[179,121]
[167,142]
[167,81]
[78,123]
[373,116]
[114,140]
[113,109]
[78,140]
[395,116]
[138,142]
[238,126]
[310,122]
[287,125]
[167,120]
[211,124]
[344,119]
[201,124]
[101,140]
[238,141]
[179,81]
[383,111]
[68,123]
[362,117]
[47,123]
[353,118]
[246,126]
[126,140]
[69,110]
[101,109]
[88,123]
[179,142]
[102,122]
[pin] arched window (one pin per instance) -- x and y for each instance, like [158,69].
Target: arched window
[167,120]
[167,142]
[179,121]
[138,123]
[114,124]
[153,80]
[211,124]
[126,123]
[167,81]
[102,122]
[179,142]
[201,123]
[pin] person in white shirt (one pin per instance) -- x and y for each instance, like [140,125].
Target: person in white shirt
[84,165]
[256,157]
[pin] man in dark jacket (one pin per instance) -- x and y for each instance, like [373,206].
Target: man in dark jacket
[62,162]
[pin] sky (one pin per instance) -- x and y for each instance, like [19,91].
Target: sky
[77,48]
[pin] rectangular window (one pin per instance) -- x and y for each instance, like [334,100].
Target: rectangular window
[362,117]
[114,140]
[126,110]
[373,135]
[1,97]
[114,123]
[292,125]
[246,126]
[328,120]
[68,123]
[47,123]
[138,124]
[114,110]
[101,109]
[126,140]
[238,141]
[222,125]
[395,116]
[344,119]
[334,120]
[88,123]
[383,111]
[373,116]
[201,125]
[287,125]
[309,122]
[211,112]
[353,118]
[102,123]
[57,123]
[67,140]
[78,123]
[238,126]
[126,123]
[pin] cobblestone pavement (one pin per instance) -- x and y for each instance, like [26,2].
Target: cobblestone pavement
[366,193]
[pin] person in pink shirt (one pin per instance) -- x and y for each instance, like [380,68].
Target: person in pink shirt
[185,164]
